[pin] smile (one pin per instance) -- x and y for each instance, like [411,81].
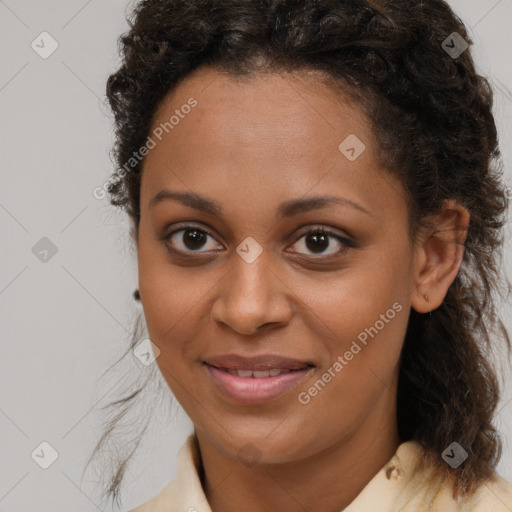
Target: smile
[244,386]
[257,374]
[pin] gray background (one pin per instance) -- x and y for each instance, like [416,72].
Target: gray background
[65,322]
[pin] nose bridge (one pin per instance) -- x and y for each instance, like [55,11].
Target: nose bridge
[251,274]
[251,296]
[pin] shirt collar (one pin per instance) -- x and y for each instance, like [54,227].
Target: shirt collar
[185,493]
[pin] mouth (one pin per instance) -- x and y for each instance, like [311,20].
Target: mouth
[256,374]
[260,363]
[256,380]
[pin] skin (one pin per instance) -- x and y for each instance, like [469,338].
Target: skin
[251,145]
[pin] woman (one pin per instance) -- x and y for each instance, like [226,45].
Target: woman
[317,206]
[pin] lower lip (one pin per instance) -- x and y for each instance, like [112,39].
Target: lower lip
[251,390]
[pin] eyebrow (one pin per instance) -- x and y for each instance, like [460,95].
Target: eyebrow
[285,209]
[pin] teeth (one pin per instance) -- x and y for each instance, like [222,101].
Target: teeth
[261,373]
[257,374]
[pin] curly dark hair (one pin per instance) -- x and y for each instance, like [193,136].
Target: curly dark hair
[432,115]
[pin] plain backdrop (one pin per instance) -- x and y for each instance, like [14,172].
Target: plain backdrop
[64,321]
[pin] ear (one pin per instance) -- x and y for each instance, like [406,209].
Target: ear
[438,256]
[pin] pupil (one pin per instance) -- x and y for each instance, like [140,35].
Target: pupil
[195,237]
[319,243]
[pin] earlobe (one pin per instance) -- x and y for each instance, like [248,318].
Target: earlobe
[439,256]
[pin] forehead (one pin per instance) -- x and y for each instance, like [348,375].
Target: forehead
[297,107]
[277,135]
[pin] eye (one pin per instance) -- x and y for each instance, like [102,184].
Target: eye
[191,239]
[318,240]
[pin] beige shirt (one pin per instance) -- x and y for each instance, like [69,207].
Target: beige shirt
[395,488]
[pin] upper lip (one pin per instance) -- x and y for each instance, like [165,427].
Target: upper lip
[261,362]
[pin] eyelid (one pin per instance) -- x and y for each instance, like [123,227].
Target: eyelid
[324,229]
[180,226]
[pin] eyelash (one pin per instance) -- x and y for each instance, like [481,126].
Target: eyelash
[316,230]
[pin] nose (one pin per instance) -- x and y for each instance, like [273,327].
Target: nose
[252,297]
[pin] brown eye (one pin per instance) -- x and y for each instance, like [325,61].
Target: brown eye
[194,239]
[319,240]
[189,239]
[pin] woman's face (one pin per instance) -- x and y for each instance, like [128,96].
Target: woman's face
[246,272]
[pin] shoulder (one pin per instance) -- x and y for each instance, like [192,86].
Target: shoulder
[495,495]
[164,501]
[425,489]
[185,492]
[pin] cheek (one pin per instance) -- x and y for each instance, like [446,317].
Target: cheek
[165,296]
[168,304]
[362,316]
[362,332]
[367,334]
[356,298]
[176,302]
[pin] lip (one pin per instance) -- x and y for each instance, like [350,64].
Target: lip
[257,390]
